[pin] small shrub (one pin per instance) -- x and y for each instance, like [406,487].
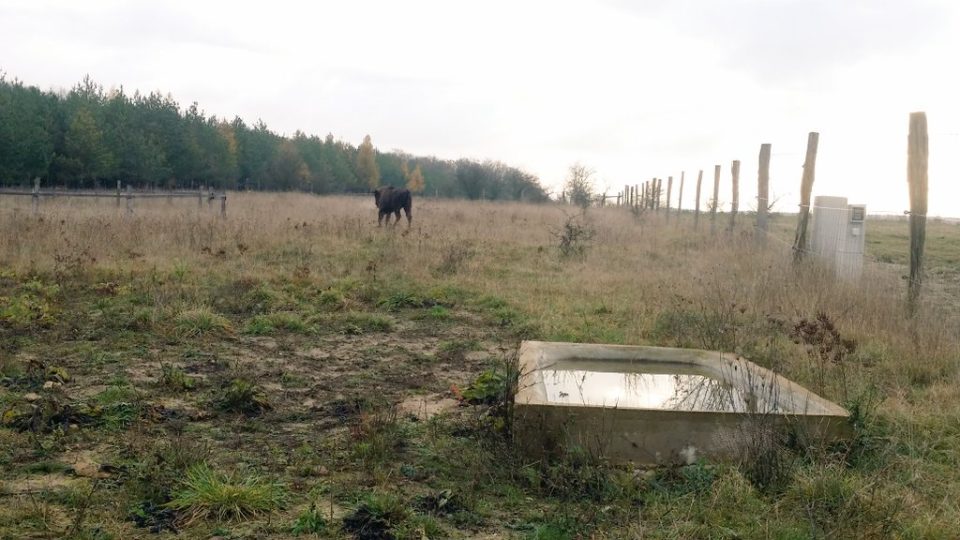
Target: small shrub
[206,493]
[573,237]
[488,388]
[243,396]
[311,521]
[25,311]
[826,348]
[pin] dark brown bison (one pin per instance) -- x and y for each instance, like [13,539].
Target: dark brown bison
[391,200]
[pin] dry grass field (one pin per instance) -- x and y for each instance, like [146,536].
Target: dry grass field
[294,371]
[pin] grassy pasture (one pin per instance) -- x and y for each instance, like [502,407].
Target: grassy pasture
[269,375]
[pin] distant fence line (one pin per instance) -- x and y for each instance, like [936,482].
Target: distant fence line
[649,196]
[122,194]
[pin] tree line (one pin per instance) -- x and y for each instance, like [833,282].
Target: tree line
[88,138]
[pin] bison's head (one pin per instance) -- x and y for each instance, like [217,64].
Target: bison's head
[378,193]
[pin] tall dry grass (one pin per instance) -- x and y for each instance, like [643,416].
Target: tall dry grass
[635,269]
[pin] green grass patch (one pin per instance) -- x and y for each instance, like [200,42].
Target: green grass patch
[201,321]
[273,322]
[209,494]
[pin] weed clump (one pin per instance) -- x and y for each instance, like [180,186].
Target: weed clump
[201,321]
[311,521]
[453,258]
[245,397]
[174,378]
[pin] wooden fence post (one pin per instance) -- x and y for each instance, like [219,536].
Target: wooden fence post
[35,196]
[806,186]
[680,196]
[917,155]
[223,205]
[735,203]
[657,190]
[129,201]
[119,187]
[715,202]
[763,194]
[696,202]
[669,193]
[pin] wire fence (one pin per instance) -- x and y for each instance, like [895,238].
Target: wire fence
[128,195]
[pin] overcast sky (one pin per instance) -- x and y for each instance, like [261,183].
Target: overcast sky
[631,89]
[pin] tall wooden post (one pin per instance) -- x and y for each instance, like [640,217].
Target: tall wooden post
[35,195]
[129,201]
[696,202]
[917,155]
[715,202]
[223,205]
[118,193]
[735,203]
[763,193]
[680,195]
[806,186]
[669,193]
[657,191]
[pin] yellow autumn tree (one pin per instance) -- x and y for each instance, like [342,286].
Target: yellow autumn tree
[367,169]
[415,179]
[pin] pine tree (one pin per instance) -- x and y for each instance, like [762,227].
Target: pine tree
[84,143]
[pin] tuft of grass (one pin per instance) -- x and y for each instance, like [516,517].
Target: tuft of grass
[174,378]
[402,300]
[377,516]
[272,322]
[243,396]
[356,323]
[201,321]
[208,494]
[378,435]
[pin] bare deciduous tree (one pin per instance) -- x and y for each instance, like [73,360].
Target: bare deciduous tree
[579,185]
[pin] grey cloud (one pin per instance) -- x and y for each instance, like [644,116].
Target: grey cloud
[789,40]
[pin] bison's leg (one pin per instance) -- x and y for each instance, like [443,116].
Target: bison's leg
[407,211]
[380,218]
[397,214]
